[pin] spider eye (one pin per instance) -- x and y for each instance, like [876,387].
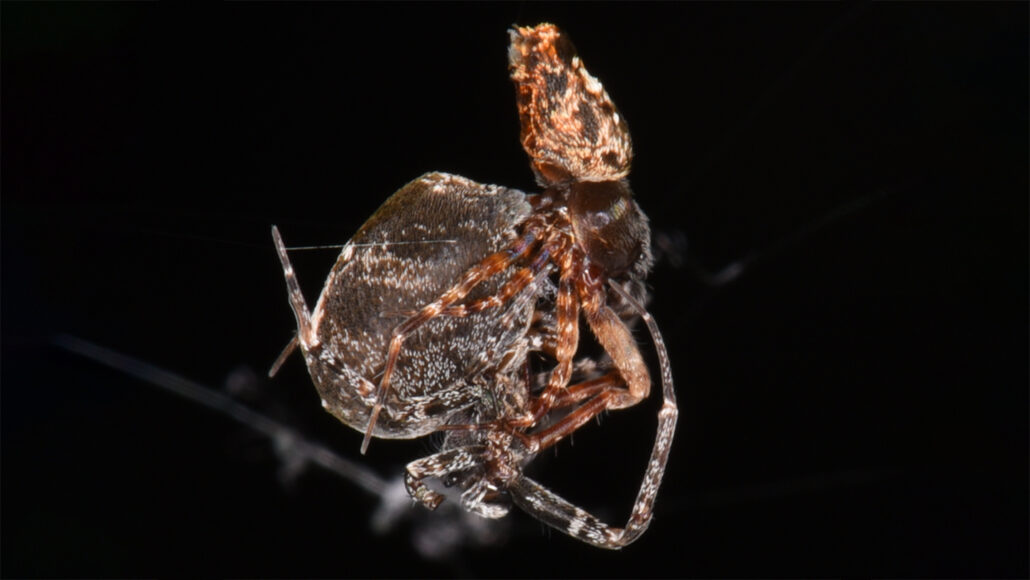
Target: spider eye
[609,226]
[598,220]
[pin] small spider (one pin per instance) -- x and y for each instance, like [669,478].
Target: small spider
[483,276]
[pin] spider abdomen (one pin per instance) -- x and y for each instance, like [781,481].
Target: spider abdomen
[417,245]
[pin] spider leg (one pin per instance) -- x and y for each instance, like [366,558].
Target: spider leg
[478,498]
[588,389]
[600,392]
[305,337]
[567,341]
[518,282]
[564,344]
[620,345]
[438,465]
[279,360]
[581,415]
[664,366]
[557,512]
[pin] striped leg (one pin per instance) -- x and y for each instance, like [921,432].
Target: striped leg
[556,512]
[305,339]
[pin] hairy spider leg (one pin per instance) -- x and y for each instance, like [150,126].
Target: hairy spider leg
[304,336]
[281,359]
[579,392]
[518,282]
[557,512]
[567,322]
[570,396]
[438,465]
[611,333]
[451,461]
[600,394]
[616,340]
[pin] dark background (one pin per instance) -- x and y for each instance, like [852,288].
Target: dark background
[854,404]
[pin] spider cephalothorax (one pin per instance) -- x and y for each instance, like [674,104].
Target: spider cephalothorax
[429,317]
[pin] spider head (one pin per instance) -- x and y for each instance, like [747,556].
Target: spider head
[609,227]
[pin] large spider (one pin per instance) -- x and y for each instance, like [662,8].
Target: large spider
[485,275]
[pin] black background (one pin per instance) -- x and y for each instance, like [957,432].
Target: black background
[854,404]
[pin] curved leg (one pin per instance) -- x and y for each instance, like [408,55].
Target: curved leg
[476,499]
[588,389]
[620,345]
[567,341]
[556,512]
[300,306]
[438,465]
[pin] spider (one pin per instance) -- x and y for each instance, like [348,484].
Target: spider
[483,276]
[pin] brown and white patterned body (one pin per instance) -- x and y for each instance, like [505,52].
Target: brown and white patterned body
[419,244]
[428,319]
